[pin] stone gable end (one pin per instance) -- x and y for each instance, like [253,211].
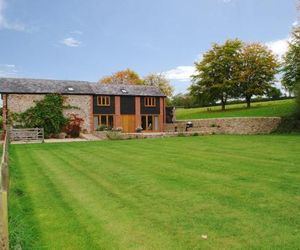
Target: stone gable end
[21,102]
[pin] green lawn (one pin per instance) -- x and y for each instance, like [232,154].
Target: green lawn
[265,109]
[242,192]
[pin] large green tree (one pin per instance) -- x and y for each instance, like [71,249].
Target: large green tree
[256,71]
[217,73]
[291,65]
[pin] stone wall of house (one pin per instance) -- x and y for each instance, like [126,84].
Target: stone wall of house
[246,125]
[21,102]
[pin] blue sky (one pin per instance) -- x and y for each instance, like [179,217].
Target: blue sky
[86,40]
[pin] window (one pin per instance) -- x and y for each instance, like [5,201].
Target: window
[103,120]
[150,102]
[150,122]
[103,101]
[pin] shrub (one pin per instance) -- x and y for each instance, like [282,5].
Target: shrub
[288,125]
[274,93]
[74,126]
[291,123]
[47,114]
[102,128]
[114,135]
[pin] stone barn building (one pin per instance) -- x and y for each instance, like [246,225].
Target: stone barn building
[113,105]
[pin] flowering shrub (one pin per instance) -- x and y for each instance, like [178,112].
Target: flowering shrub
[74,126]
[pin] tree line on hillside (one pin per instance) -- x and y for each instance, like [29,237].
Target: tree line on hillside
[234,70]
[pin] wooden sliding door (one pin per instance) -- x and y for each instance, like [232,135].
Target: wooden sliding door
[128,123]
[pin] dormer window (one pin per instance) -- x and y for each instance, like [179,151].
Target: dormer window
[150,102]
[103,101]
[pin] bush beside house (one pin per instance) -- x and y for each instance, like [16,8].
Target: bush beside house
[48,114]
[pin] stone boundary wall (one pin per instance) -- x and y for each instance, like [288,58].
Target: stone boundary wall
[20,102]
[243,125]
[104,135]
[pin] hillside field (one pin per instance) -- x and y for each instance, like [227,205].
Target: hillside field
[205,192]
[259,109]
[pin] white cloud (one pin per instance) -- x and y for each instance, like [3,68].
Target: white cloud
[71,42]
[8,70]
[76,32]
[4,23]
[295,23]
[180,73]
[279,47]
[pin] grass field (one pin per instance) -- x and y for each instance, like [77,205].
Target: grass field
[259,109]
[242,192]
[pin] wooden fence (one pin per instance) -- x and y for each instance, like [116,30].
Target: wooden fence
[27,134]
[4,183]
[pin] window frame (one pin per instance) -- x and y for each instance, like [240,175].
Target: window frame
[150,102]
[106,118]
[153,122]
[103,101]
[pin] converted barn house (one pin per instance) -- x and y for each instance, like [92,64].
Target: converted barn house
[119,106]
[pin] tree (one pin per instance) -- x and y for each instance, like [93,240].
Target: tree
[182,100]
[126,76]
[217,72]
[201,97]
[297,112]
[256,71]
[160,81]
[291,65]
[274,93]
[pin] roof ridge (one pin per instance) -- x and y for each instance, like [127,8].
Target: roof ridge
[42,86]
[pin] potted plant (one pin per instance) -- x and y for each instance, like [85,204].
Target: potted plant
[139,129]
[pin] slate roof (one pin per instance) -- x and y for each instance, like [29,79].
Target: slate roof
[43,86]
[122,89]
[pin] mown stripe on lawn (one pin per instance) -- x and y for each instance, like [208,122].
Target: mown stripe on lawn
[79,185]
[227,203]
[166,193]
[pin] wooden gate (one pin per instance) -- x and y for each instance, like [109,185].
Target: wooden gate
[27,134]
[128,123]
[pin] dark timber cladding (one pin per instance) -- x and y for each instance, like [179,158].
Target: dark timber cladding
[104,109]
[150,110]
[127,105]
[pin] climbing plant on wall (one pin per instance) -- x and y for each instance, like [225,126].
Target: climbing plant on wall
[47,113]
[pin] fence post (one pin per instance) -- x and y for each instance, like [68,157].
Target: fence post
[43,135]
[4,238]
[3,221]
